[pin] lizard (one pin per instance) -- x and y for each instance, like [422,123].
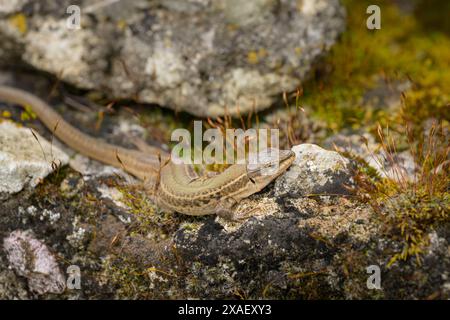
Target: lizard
[173,187]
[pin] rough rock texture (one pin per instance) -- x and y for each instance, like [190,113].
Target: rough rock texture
[315,171]
[287,246]
[25,159]
[199,56]
[10,6]
[30,258]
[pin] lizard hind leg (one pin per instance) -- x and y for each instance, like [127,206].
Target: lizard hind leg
[226,209]
[229,210]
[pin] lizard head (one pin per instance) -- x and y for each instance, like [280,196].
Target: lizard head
[270,163]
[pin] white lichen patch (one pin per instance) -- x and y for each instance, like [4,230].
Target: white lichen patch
[32,211]
[113,194]
[165,66]
[312,7]
[25,159]
[52,216]
[155,276]
[55,48]
[76,238]
[243,88]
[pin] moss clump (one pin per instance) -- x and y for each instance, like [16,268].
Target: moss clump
[411,216]
[134,281]
[411,207]
[149,219]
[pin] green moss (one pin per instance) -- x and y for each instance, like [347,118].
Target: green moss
[402,49]
[132,280]
[411,216]
[151,220]
[410,208]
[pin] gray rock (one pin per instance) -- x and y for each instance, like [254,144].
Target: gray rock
[92,169]
[400,166]
[204,57]
[30,258]
[268,250]
[315,171]
[9,6]
[386,94]
[359,144]
[25,161]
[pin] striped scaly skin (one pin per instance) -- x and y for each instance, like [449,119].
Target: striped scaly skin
[172,185]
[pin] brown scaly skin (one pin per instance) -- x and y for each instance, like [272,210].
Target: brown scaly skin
[173,187]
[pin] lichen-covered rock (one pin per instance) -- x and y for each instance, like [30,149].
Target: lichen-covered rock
[315,171]
[52,46]
[25,158]
[204,57]
[308,248]
[268,255]
[30,258]
[285,247]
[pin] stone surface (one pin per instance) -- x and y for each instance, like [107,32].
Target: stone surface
[90,168]
[315,171]
[203,57]
[30,258]
[399,167]
[285,247]
[9,6]
[25,161]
